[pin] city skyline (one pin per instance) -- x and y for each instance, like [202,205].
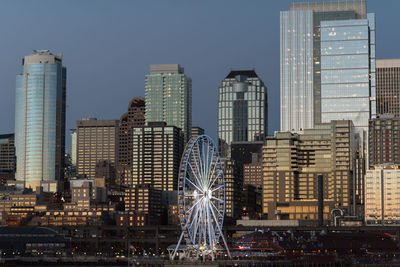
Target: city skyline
[125,73]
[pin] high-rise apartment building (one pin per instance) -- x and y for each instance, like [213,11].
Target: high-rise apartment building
[384,140]
[382,204]
[134,117]
[169,97]
[292,163]
[96,141]
[197,131]
[40,101]
[327,60]
[157,150]
[7,156]
[388,86]
[242,110]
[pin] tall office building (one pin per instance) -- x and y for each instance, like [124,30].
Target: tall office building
[97,140]
[169,97]
[134,117]
[388,86]
[157,150]
[40,121]
[348,71]
[292,163]
[327,60]
[7,157]
[242,109]
[384,140]
[382,205]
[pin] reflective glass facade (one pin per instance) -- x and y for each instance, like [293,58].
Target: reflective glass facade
[382,195]
[242,110]
[169,97]
[304,43]
[297,107]
[40,119]
[347,63]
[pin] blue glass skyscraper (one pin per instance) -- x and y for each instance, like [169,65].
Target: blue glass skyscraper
[327,64]
[40,121]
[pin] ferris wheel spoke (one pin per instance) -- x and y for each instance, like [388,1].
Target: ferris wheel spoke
[217,188]
[219,213]
[194,185]
[216,177]
[216,221]
[209,227]
[212,174]
[199,183]
[207,159]
[194,205]
[199,158]
[210,163]
[220,200]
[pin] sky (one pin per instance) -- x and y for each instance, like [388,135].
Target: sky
[108,47]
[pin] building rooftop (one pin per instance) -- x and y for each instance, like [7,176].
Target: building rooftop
[249,73]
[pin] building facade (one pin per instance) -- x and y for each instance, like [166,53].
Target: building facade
[7,157]
[197,131]
[169,97]
[40,102]
[388,86]
[242,110]
[327,57]
[253,172]
[96,141]
[382,201]
[157,150]
[292,163]
[348,71]
[73,146]
[134,117]
[384,140]
[233,188]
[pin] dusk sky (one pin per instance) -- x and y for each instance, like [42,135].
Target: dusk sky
[108,47]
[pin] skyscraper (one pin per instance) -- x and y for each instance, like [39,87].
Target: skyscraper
[97,140]
[242,110]
[134,117]
[157,150]
[40,121]
[388,86]
[327,59]
[348,71]
[169,97]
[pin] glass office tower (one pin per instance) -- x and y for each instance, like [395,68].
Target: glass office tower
[40,121]
[169,97]
[242,110]
[304,45]
[348,71]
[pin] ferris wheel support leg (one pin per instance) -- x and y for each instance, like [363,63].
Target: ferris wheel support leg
[177,247]
[226,246]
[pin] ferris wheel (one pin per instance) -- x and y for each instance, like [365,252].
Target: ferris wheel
[201,196]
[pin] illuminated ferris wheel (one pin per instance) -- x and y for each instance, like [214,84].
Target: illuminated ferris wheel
[201,196]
